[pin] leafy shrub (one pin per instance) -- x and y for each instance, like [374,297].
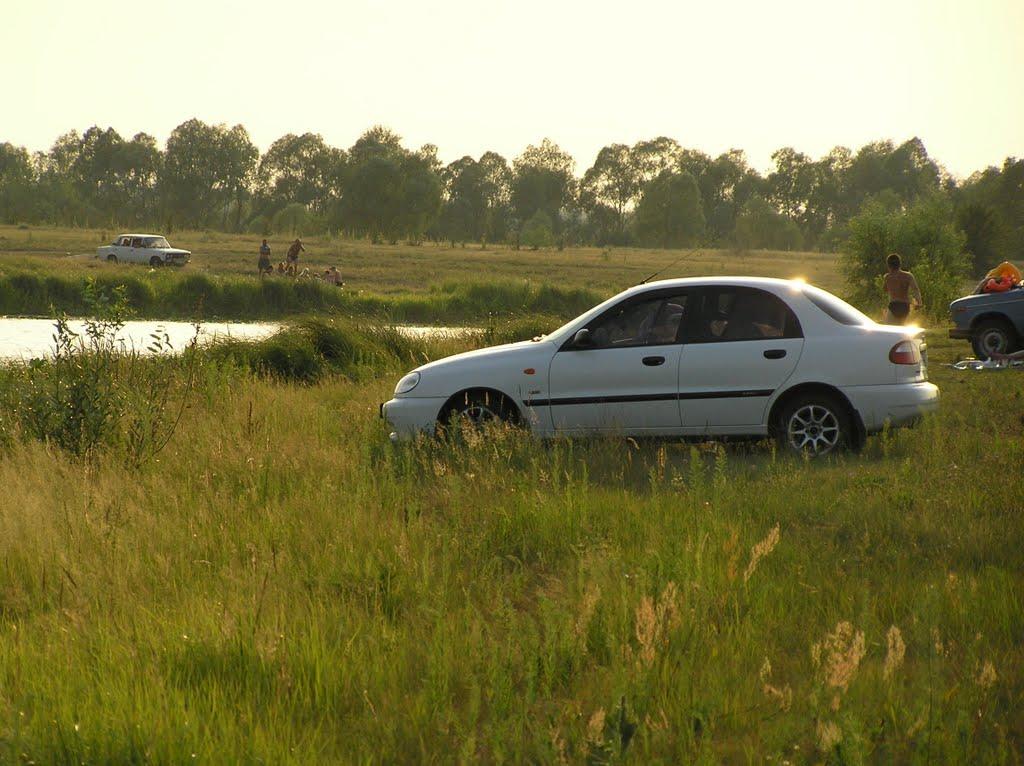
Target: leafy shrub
[926,238]
[95,394]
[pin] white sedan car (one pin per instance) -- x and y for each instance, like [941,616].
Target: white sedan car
[143,248]
[715,357]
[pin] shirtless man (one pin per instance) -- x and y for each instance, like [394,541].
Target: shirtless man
[293,253]
[900,286]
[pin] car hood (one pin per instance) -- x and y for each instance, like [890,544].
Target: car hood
[172,250]
[492,353]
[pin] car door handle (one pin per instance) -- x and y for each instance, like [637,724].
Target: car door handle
[775,353]
[654,361]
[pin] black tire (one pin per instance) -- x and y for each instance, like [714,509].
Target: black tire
[815,425]
[478,409]
[111,258]
[993,335]
[156,262]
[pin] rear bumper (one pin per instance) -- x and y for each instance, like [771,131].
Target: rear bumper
[897,404]
[409,416]
[960,333]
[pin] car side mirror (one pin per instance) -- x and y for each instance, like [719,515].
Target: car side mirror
[582,339]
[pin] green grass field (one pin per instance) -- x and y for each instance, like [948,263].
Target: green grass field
[429,283]
[282,585]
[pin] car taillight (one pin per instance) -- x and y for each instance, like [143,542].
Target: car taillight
[905,352]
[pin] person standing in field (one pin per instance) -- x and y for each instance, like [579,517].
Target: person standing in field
[901,287]
[264,262]
[293,253]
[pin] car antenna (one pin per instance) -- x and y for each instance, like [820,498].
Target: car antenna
[687,254]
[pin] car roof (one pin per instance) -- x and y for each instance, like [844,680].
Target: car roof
[140,235]
[733,280]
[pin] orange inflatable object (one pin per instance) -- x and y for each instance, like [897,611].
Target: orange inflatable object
[1005,269]
[997,285]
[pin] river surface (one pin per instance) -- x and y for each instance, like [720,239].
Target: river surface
[23,338]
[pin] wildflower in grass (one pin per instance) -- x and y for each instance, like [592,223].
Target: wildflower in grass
[829,735]
[760,550]
[839,655]
[655,622]
[595,726]
[894,656]
[987,676]
[587,608]
[783,696]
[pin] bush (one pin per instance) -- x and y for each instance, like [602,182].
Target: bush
[537,231]
[926,238]
[94,394]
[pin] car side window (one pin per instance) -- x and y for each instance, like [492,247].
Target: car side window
[124,241]
[136,242]
[743,313]
[645,322]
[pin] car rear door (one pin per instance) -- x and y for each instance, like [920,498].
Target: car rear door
[742,345]
[625,379]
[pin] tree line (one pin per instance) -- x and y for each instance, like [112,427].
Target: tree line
[654,193]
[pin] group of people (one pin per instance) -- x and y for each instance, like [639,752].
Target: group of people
[290,267]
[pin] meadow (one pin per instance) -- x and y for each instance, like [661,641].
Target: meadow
[429,283]
[280,584]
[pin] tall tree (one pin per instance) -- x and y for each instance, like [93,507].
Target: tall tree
[543,180]
[670,212]
[299,169]
[610,187]
[206,167]
[17,178]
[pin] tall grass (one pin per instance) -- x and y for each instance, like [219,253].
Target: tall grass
[283,585]
[165,295]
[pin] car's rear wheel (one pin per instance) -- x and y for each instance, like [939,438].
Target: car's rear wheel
[814,425]
[156,262]
[477,410]
[111,258]
[993,336]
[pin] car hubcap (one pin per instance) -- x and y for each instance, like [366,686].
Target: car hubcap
[994,340]
[813,428]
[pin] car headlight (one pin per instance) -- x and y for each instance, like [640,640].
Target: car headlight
[407,384]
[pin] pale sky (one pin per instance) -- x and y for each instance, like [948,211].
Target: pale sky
[474,75]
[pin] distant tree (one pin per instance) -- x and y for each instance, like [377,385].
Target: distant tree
[17,178]
[984,234]
[670,213]
[543,180]
[299,169]
[1000,190]
[389,191]
[609,188]
[760,226]
[205,167]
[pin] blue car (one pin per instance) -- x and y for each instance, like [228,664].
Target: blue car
[992,322]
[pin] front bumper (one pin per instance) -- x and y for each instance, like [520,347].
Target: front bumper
[411,415]
[896,404]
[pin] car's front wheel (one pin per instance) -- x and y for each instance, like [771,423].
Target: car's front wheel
[993,336]
[814,425]
[156,262]
[478,409]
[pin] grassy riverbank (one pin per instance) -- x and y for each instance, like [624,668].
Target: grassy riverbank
[40,267]
[281,584]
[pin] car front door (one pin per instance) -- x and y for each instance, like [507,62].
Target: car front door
[137,253]
[742,344]
[622,374]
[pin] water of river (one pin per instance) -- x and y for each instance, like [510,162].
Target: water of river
[22,338]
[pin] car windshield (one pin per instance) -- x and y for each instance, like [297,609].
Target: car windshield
[837,308]
[155,242]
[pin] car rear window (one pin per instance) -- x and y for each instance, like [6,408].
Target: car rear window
[837,308]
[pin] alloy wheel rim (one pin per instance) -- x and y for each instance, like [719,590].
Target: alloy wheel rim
[813,428]
[477,414]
